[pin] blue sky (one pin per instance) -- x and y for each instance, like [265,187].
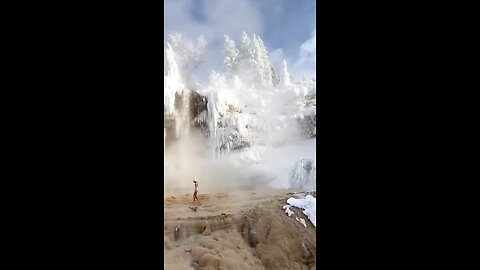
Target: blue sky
[287,27]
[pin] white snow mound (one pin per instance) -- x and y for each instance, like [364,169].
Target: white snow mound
[304,174]
[309,206]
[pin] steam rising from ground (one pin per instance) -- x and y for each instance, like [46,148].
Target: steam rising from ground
[190,157]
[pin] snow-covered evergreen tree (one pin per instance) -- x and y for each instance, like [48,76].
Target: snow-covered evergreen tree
[285,79]
[251,61]
[262,64]
[173,81]
[188,53]
[275,78]
[231,54]
[246,55]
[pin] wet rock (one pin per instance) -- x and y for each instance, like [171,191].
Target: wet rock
[199,104]
[207,231]
[252,236]
[176,233]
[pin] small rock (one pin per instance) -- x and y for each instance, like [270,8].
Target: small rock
[215,238]
[176,233]
[207,231]
[252,236]
[302,221]
[305,253]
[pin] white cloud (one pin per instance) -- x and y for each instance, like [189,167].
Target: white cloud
[215,18]
[220,17]
[307,57]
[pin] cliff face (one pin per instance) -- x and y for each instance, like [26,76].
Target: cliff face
[190,110]
[233,120]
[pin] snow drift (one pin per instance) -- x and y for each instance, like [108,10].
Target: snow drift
[309,204]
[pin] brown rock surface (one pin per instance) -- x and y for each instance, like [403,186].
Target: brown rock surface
[217,235]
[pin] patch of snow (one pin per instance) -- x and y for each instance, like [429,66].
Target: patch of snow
[309,206]
[304,174]
[302,221]
[287,210]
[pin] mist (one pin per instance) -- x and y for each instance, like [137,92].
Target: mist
[190,158]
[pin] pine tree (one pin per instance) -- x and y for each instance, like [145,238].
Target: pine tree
[245,47]
[275,78]
[231,54]
[173,81]
[188,54]
[285,80]
[264,68]
[170,64]
[251,61]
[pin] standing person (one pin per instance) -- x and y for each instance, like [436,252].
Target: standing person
[196,191]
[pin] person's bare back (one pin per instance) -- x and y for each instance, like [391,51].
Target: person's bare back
[196,191]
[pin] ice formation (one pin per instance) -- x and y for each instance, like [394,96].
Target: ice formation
[304,175]
[248,108]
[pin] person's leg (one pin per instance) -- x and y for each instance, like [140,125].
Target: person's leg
[194,195]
